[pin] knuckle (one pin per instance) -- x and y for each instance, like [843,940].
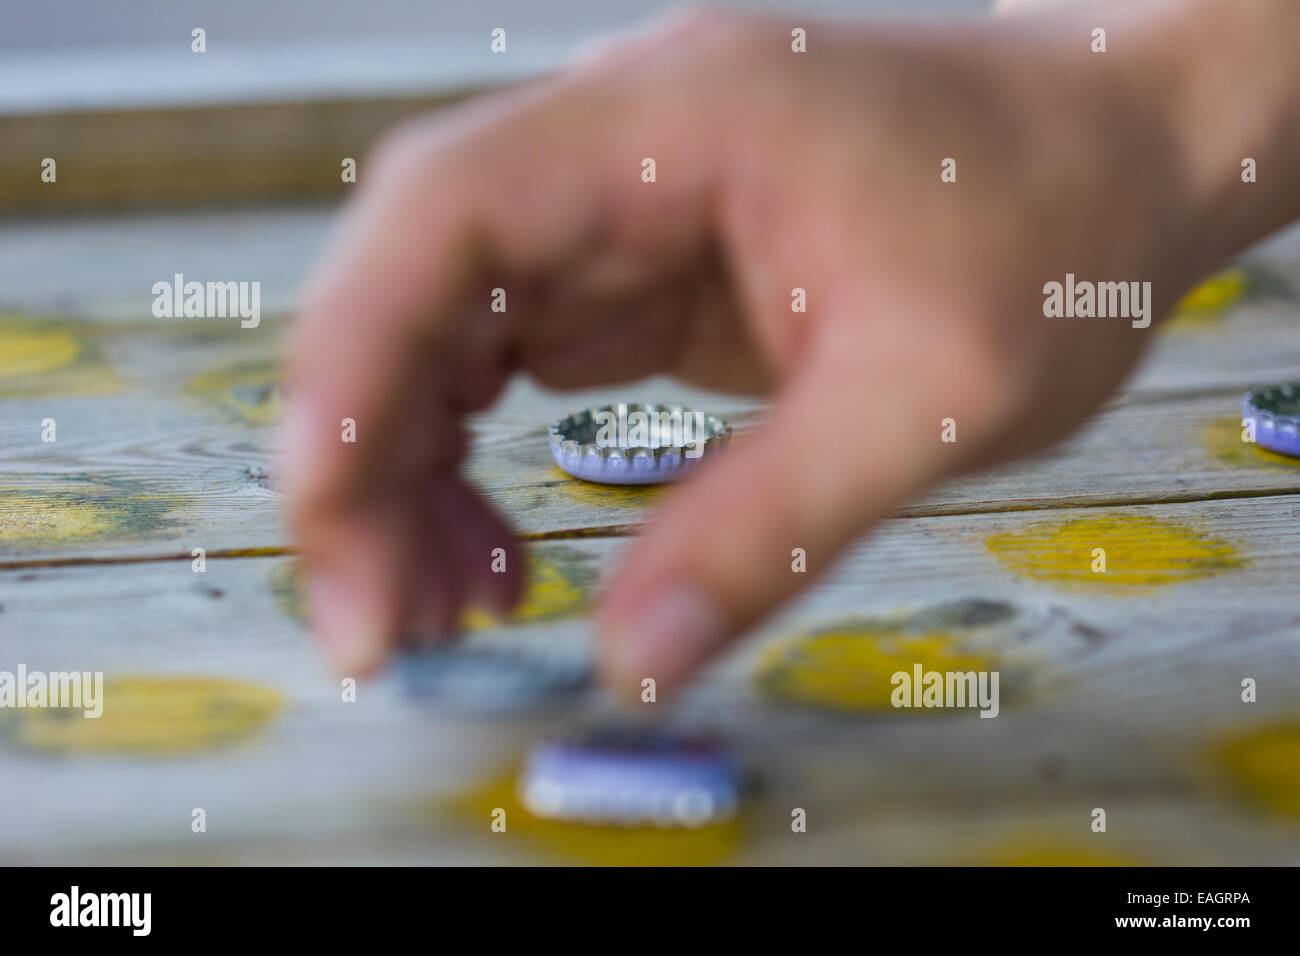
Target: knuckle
[696,31]
[699,24]
[400,149]
[420,152]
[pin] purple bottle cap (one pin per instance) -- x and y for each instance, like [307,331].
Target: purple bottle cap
[635,444]
[1275,412]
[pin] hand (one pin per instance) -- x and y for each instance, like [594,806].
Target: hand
[775,170]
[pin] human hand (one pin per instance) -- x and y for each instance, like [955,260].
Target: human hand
[775,170]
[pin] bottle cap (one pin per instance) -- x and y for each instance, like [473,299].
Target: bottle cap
[635,444]
[1275,412]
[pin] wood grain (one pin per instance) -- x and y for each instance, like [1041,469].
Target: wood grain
[1118,696]
[1119,688]
[189,427]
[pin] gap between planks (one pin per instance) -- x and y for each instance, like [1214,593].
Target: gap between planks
[632,528]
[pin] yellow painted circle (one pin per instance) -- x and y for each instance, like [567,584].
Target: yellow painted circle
[1138,552]
[599,495]
[557,589]
[1215,294]
[1265,766]
[30,517]
[850,670]
[252,392]
[28,349]
[601,845]
[1222,441]
[150,716]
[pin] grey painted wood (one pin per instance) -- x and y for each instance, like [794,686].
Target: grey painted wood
[1109,700]
[1114,697]
[180,452]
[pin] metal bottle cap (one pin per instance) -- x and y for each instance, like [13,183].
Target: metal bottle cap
[635,444]
[1275,410]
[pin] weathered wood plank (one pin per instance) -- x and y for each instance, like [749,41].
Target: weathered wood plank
[212,154]
[164,443]
[1115,691]
[1174,573]
[99,268]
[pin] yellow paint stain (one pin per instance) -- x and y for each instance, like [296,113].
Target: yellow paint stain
[30,518]
[286,583]
[606,496]
[54,519]
[152,716]
[1043,850]
[39,359]
[29,349]
[1222,441]
[249,391]
[600,845]
[848,668]
[1140,553]
[559,583]
[1264,766]
[559,587]
[1207,302]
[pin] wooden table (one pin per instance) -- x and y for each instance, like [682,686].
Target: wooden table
[1121,691]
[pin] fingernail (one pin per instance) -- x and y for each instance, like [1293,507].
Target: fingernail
[347,632]
[672,633]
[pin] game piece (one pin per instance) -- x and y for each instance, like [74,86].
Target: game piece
[479,680]
[1274,411]
[631,777]
[635,444]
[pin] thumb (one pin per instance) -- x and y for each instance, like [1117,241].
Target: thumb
[834,456]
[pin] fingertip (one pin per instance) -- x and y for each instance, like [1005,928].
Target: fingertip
[351,635]
[363,659]
[660,637]
[360,578]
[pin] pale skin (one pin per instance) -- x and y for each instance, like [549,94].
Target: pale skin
[775,170]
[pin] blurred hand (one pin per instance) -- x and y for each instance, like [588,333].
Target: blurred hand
[775,170]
